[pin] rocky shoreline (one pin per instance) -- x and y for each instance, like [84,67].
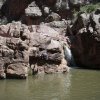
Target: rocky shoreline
[41,36]
[38,47]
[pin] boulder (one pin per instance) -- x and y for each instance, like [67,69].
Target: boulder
[17,70]
[53,17]
[38,47]
[32,15]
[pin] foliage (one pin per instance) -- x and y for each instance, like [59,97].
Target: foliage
[90,8]
[87,8]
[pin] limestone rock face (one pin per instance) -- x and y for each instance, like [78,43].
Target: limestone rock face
[14,61]
[47,54]
[86,42]
[38,47]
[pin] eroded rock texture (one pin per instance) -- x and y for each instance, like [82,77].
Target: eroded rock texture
[86,40]
[38,47]
[43,36]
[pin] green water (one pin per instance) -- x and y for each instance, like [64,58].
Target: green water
[78,84]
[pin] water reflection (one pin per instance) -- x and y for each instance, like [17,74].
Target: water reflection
[76,85]
[85,85]
[53,87]
[40,87]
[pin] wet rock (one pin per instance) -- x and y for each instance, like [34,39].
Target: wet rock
[86,43]
[2,70]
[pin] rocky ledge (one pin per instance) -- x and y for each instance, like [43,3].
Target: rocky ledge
[22,47]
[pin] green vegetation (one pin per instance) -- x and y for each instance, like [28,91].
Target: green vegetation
[87,8]
[90,8]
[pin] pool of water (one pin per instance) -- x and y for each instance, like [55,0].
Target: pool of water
[78,84]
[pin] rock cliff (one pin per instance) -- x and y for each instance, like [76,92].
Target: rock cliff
[41,36]
[86,40]
[23,47]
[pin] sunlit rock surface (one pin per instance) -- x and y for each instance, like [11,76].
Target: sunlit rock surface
[38,47]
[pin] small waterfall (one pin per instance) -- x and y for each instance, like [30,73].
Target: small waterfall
[68,56]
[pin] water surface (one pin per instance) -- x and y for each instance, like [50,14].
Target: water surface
[78,84]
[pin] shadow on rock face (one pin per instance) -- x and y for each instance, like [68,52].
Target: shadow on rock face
[36,46]
[47,54]
[13,10]
[86,42]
